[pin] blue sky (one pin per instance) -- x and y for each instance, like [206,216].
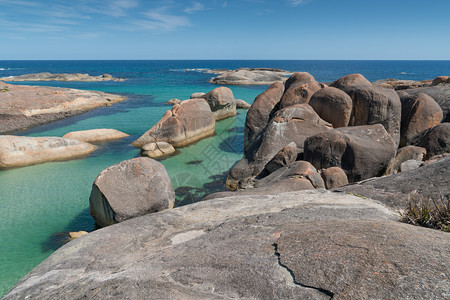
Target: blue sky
[224,29]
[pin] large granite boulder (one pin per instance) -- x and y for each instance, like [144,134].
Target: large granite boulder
[436,140]
[221,102]
[332,105]
[158,149]
[284,157]
[429,181]
[348,82]
[299,88]
[334,177]
[185,123]
[96,135]
[261,111]
[372,105]
[302,245]
[440,93]
[361,151]
[130,189]
[17,151]
[293,124]
[23,106]
[419,112]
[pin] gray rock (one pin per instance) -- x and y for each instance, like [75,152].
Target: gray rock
[409,165]
[241,104]
[222,102]
[361,151]
[302,245]
[299,89]
[197,95]
[284,157]
[247,76]
[158,149]
[96,135]
[130,189]
[436,140]
[61,77]
[404,154]
[174,101]
[431,180]
[332,105]
[348,82]
[334,177]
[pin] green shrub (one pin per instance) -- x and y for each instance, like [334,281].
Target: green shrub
[432,213]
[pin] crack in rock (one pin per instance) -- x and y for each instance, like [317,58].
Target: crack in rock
[278,255]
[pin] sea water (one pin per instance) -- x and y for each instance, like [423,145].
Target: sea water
[39,203]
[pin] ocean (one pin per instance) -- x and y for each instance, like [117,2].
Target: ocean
[40,204]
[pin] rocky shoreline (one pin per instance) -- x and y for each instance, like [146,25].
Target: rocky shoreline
[48,104]
[281,233]
[45,76]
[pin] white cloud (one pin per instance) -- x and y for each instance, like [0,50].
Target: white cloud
[196,6]
[161,21]
[295,3]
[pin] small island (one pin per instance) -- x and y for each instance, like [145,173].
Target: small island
[45,76]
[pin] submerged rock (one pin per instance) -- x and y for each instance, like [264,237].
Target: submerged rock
[130,189]
[96,135]
[17,151]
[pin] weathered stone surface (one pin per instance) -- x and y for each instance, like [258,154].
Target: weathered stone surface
[197,95]
[348,82]
[241,104]
[130,189]
[77,234]
[24,106]
[404,154]
[16,151]
[246,76]
[334,177]
[399,84]
[332,105]
[61,77]
[96,135]
[261,111]
[430,180]
[361,151]
[436,140]
[373,105]
[284,157]
[278,134]
[302,245]
[419,112]
[302,111]
[440,93]
[158,149]
[222,102]
[440,80]
[174,101]
[187,122]
[409,165]
[299,89]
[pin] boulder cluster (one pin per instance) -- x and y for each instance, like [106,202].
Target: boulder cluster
[189,121]
[349,131]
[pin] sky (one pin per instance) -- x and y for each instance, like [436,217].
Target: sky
[225,29]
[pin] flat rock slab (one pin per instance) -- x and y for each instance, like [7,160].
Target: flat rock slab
[24,106]
[96,135]
[253,247]
[61,77]
[247,76]
[17,151]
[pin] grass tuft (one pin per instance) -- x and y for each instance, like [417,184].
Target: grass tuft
[428,212]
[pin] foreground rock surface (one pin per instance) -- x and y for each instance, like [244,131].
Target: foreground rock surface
[26,106]
[130,189]
[61,77]
[96,135]
[17,151]
[303,245]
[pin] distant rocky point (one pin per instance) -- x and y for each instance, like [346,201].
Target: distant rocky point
[61,77]
[27,106]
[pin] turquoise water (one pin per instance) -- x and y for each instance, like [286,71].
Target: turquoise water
[39,202]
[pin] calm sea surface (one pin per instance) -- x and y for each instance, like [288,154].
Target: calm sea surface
[38,204]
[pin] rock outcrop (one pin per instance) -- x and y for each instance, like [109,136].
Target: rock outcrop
[250,76]
[130,189]
[299,88]
[405,154]
[61,77]
[158,149]
[26,106]
[436,140]
[300,245]
[187,122]
[96,135]
[333,106]
[361,151]
[17,151]
[348,82]
[334,177]
[222,102]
